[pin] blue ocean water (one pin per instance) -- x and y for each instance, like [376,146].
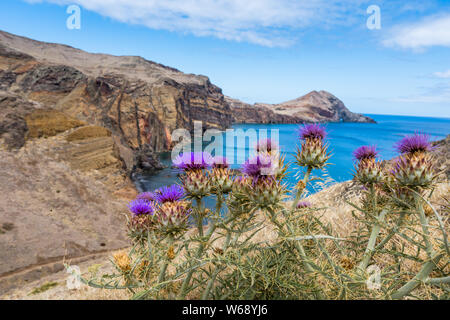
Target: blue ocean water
[343,138]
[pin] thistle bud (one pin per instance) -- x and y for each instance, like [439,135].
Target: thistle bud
[414,170]
[172,217]
[196,184]
[313,152]
[142,218]
[221,181]
[266,193]
[368,170]
[171,253]
[414,167]
[264,190]
[260,167]
[122,261]
[171,193]
[238,201]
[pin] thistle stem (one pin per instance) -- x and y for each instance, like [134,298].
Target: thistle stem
[219,202]
[392,233]
[424,223]
[210,284]
[183,290]
[371,244]
[438,280]
[162,273]
[199,216]
[300,191]
[420,277]
[299,247]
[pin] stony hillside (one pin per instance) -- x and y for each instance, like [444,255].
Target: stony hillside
[316,106]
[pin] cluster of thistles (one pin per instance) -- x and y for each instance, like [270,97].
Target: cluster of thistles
[163,210]
[261,176]
[198,180]
[412,169]
[313,152]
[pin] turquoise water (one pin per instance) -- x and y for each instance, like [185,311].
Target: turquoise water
[343,138]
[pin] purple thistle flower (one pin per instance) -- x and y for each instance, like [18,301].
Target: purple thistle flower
[169,193]
[312,131]
[193,161]
[266,145]
[140,207]
[258,167]
[148,196]
[220,162]
[304,204]
[365,152]
[413,144]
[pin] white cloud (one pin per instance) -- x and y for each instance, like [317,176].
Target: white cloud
[442,75]
[265,22]
[438,93]
[433,31]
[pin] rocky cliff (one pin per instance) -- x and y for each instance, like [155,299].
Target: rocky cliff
[316,106]
[140,102]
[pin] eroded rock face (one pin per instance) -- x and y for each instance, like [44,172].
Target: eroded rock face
[316,106]
[140,102]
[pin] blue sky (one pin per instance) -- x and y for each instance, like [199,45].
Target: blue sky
[270,50]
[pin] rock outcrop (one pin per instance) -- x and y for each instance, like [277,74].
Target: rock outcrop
[140,102]
[316,106]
